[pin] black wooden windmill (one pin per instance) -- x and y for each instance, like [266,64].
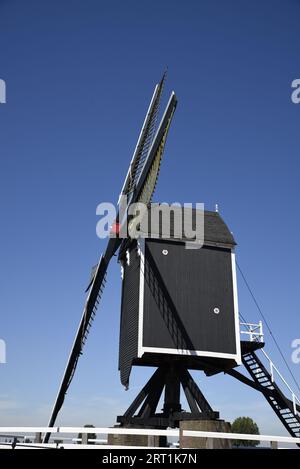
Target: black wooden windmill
[179,307]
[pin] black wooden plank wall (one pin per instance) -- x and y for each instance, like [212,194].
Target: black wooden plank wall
[182,291]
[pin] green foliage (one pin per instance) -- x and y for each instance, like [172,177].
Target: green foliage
[245,425]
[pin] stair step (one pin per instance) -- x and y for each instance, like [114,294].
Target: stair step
[277,400]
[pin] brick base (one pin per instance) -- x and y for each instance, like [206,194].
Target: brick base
[208,426]
[136,440]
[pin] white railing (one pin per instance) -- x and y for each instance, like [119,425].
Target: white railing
[242,436]
[254,331]
[126,431]
[274,370]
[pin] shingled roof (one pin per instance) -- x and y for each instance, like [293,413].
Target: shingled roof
[215,229]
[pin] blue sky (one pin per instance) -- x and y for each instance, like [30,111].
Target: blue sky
[79,77]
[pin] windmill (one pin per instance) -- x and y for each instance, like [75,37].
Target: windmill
[179,308]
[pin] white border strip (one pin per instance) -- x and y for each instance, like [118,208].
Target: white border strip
[196,353]
[141,246]
[241,436]
[236,310]
[139,431]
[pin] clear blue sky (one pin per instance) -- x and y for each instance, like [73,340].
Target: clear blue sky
[79,78]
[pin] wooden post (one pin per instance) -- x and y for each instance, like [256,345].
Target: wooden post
[38,438]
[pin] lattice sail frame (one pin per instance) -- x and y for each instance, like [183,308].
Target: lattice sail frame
[150,184]
[144,141]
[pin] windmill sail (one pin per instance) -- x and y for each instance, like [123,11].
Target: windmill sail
[140,183]
[144,141]
[88,315]
[146,183]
